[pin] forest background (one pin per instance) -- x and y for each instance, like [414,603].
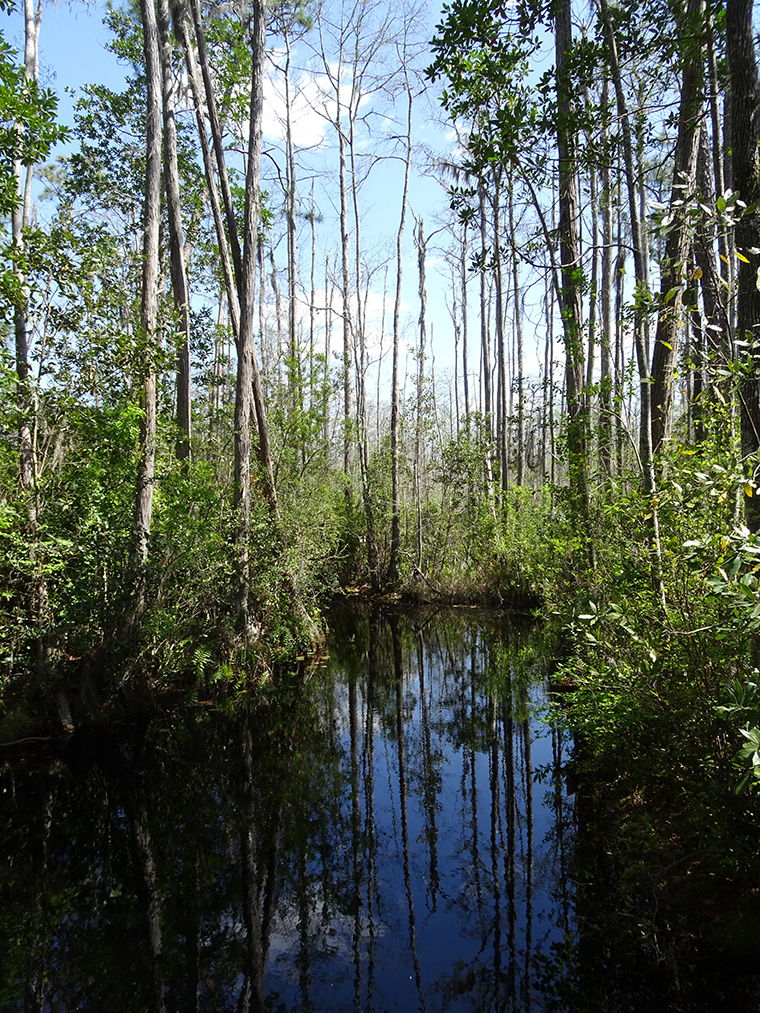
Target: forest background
[249,361]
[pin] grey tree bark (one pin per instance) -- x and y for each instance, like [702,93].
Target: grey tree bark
[143,509]
[517,310]
[242,282]
[247,371]
[393,566]
[176,235]
[745,164]
[422,331]
[607,421]
[20,219]
[674,266]
[570,259]
[647,459]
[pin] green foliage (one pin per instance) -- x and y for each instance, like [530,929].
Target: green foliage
[28,129]
[732,563]
[743,704]
[28,132]
[656,699]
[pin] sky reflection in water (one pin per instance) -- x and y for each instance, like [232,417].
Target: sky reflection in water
[381,842]
[456,851]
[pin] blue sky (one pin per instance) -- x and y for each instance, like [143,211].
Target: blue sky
[73,52]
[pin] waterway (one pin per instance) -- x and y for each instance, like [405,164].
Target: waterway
[391,831]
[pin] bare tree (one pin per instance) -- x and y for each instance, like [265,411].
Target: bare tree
[393,567]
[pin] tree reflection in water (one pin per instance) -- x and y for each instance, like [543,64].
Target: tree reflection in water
[373,840]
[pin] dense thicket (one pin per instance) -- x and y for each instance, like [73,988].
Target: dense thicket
[635,164]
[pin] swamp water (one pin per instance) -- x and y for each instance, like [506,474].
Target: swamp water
[392,835]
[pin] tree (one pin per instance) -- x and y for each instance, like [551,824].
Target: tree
[247,371]
[641,274]
[27,134]
[21,208]
[745,162]
[571,305]
[176,234]
[674,266]
[143,509]
[393,564]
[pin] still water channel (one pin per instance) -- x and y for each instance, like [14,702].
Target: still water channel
[389,836]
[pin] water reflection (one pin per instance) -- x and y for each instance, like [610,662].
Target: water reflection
[375,841]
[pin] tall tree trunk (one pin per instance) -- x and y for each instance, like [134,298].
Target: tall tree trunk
[605,384]
[547,422]
[329,289]
[176,236]
[725,241]
[380,359]
[717,330]
[745,161]
[454,314]
[26,398]
[620,363]
[569,243]
[148,301]
[501,351]
[361,367]
[393,567]
[244,388]
[241,281]
[517,310]
[20,219]
[463,281]
[209,166]
[695,359]
[282,353]
[485,343]
[593,296]
[674,265]
[647,460]
[313,294]
[294,369]
[234,294]
[345,289]
[217,140]
[485,350]
[422,289]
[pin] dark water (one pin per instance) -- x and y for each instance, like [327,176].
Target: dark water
[389,836]
[392,835]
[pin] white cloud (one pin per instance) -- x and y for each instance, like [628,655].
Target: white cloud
[306,96]
[312,102]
